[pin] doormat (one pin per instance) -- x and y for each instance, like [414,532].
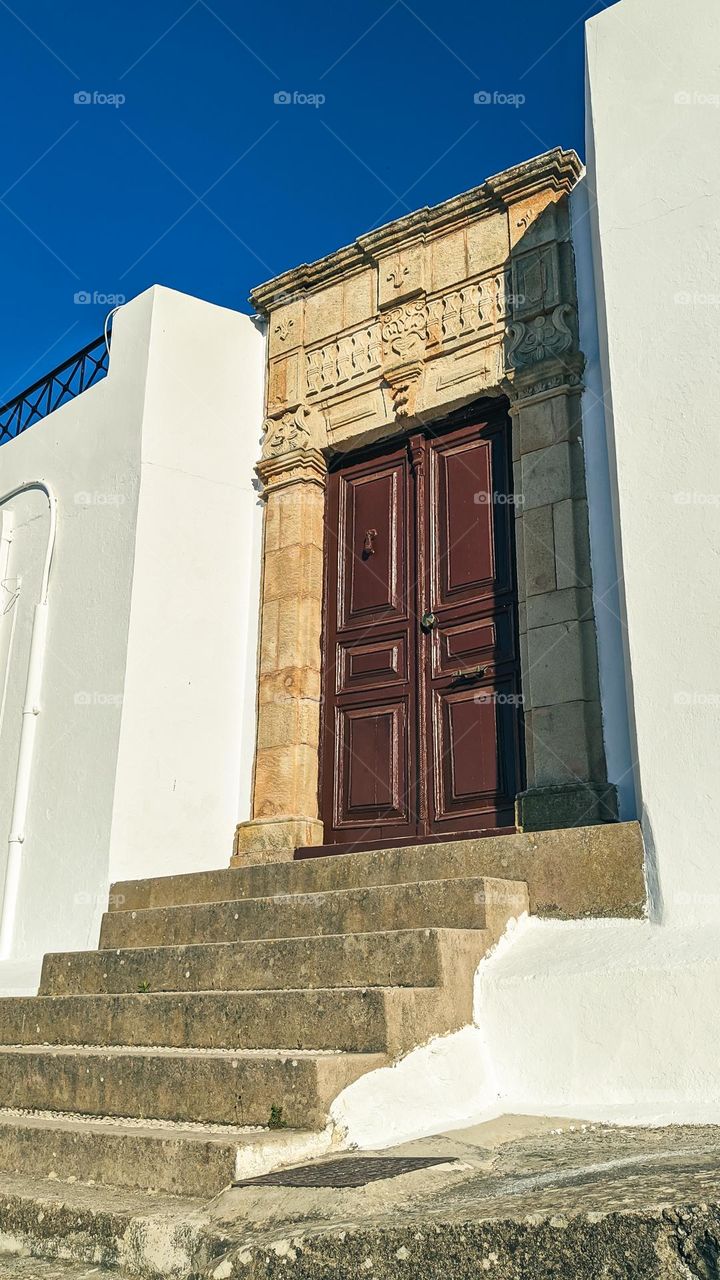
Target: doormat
[356,1171]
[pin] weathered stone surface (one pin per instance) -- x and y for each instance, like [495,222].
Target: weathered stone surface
[400,958]
[204,1086]
[458,903]
[548,1200]
[520,1198]
[536,553]
[34,1269]
[545,808]
[588,871]
[266,840]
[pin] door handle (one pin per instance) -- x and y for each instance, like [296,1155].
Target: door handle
[471,673]
[428,620]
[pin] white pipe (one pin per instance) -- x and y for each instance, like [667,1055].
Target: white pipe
[30,712]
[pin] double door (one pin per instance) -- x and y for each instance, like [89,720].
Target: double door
[421,707]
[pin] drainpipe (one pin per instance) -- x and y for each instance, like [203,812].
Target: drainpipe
[30,712]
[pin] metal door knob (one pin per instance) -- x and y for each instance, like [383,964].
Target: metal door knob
[428,621]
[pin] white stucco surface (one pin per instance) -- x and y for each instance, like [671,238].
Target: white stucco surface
[654,96]
[614,1021]
[143,750]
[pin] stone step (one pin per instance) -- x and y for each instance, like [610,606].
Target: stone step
[201,1086]
[468,903]
[398,958]
[161,1157]
[580,871]
[369,1020]
[126,1231]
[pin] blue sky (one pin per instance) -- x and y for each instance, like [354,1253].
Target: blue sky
[200,180]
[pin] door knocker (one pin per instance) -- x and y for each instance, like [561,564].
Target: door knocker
[369,544]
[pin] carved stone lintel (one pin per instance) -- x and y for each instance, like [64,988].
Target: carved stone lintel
[404,383]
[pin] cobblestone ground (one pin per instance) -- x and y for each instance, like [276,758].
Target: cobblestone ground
[33,1269]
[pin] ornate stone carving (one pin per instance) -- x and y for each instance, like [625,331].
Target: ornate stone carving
[283,327]
[404,383]
[544,337]
[350,357]
[289,431]
[404,332]
[397,275]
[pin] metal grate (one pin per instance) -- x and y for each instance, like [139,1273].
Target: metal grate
[353,1172]
[78,373]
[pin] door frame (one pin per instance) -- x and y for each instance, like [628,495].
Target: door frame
[473,298]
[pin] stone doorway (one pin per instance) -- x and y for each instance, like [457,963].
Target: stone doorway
[471,300]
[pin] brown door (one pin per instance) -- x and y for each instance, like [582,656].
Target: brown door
[421,679]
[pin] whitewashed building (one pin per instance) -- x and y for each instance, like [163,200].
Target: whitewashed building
[136,577]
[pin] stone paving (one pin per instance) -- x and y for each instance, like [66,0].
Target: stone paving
[34,1269]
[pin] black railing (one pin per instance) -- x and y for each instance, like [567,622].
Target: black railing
[78,373]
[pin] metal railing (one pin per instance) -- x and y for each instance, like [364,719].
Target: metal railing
[71,378]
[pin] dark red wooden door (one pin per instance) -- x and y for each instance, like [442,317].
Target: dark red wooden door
[421,715]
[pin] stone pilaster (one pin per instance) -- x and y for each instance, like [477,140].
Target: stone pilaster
[285,786]
[566,777]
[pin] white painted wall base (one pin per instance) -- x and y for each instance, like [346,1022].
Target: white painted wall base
[144,740]
[614,1021]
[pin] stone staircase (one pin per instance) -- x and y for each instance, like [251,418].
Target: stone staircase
[224,1011]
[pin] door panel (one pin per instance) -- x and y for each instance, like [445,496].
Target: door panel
[376,663]
[369,762]
[372,762]
[422,722]
[373,570]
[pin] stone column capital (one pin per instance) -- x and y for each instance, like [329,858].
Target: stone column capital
[298,466]
[546,378]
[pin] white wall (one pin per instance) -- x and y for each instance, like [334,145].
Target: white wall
[187,735]
[144,741]
[653,165]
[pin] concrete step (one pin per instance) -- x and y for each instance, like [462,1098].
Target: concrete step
[581,871]
[201,1086]
[369,1020]
[160,1157]
[467,903]
[398,958]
